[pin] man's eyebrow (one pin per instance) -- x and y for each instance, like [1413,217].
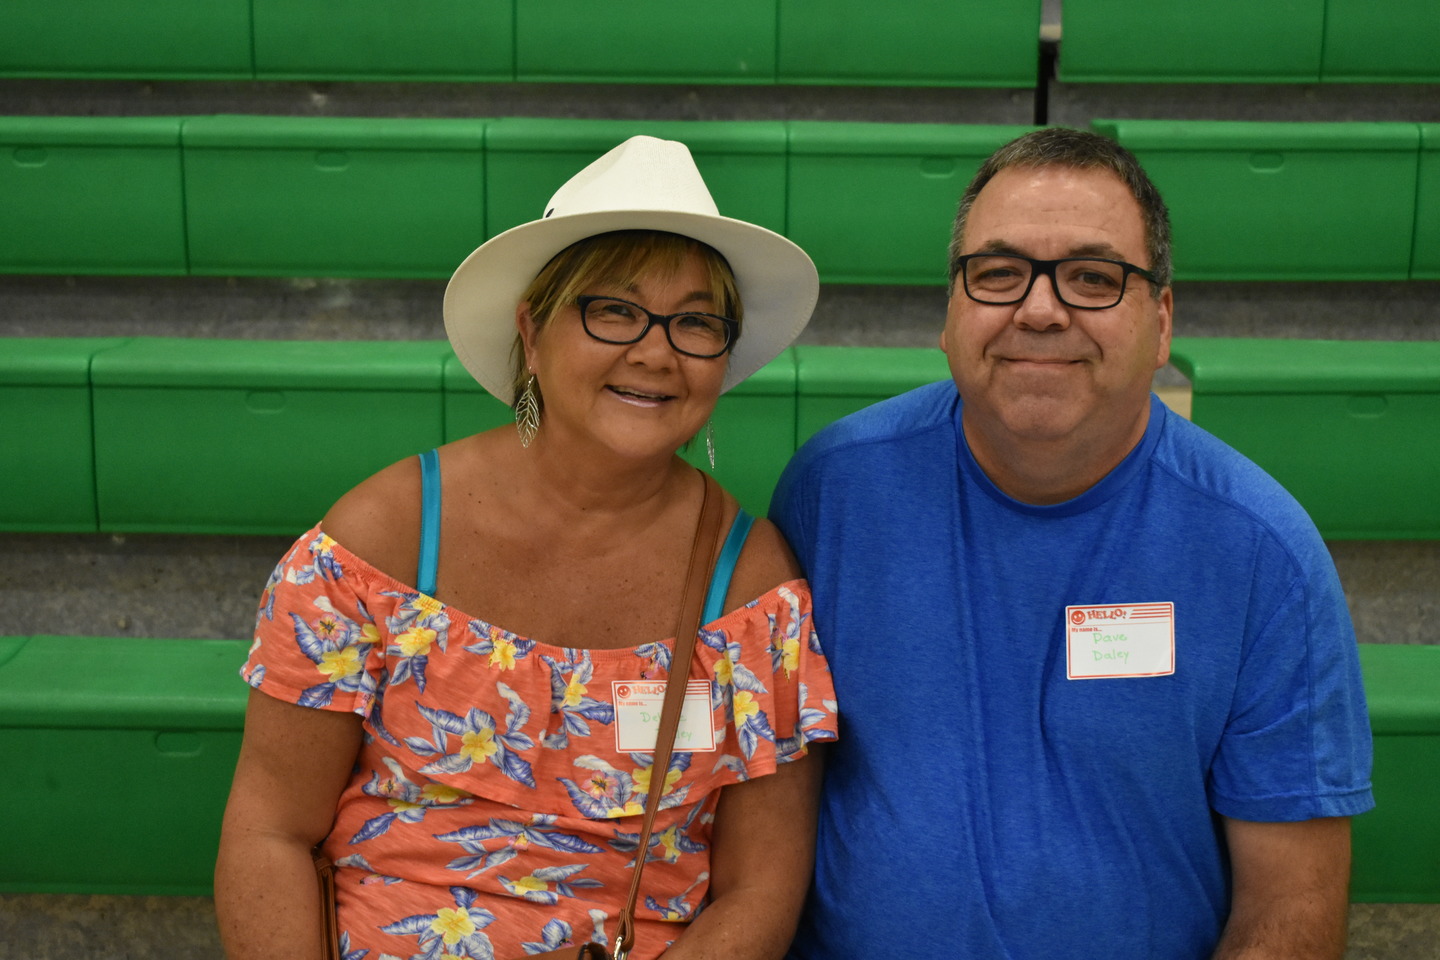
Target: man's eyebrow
[1103,250]
[999,246]
[1096,250]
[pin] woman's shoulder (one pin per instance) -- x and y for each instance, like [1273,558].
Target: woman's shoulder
[764,564]
[378,519]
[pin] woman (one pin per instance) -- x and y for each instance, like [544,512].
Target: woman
[455,724]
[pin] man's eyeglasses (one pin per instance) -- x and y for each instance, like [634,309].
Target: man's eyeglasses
[612,320]
[1085,283]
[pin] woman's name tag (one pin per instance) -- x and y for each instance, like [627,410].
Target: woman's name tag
[637,716]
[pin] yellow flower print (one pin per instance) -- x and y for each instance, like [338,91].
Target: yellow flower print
[401,806]
[790,654]
[531,884]
[502,656]
[426,606]
[724,672]
[669,843]
[574,692]
[745,706]
[324,546]
[641,779]
[369,633]
[339,664]
[416,641]
[478,745]
[453,925]
[439,793]
[631,809]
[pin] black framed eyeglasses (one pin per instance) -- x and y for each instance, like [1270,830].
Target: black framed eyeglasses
[1085,283]
[612,320]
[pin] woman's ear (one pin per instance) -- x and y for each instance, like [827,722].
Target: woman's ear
[525,325]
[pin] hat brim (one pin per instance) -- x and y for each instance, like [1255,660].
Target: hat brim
[777,282]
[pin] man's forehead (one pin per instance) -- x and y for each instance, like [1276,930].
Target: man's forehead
[1091,211]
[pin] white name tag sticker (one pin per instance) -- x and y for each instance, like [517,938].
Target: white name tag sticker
[1120,640]
[637,716]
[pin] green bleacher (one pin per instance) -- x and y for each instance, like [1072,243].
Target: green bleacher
[927,42]
[1240,41]
[169,714]
[1349,427]
[409,198]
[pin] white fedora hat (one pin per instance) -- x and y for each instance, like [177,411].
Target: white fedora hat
[643,184]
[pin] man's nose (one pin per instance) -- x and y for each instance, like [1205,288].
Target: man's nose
[1042,309]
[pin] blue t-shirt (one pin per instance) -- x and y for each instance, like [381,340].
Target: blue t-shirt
[979,797]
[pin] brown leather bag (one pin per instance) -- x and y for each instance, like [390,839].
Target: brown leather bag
[697,576]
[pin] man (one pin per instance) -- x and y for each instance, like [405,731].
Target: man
[1098,684]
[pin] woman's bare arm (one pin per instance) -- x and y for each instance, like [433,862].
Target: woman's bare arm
[294,763]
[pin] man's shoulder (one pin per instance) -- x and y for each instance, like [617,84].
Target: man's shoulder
[908,415]
[1230,481]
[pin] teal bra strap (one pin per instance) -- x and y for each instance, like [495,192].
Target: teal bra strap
[429,522]
[725,567]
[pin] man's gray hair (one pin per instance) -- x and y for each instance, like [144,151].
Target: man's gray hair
[1080,149]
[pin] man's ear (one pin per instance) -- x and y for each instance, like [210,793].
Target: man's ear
[1165,316]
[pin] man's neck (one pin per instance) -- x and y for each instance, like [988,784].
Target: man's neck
[1050,470]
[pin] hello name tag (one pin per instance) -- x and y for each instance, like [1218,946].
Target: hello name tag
[1120,640]
[637,716]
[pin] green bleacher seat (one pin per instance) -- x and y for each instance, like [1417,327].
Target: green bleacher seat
[1221,41]
[48,484]
[645,41]
[754,434]
[1397,845]
[959,43]
[347,197]
[1282,201]
[1426,262]
[1350,428]
[873,202]
[469,408]
[143,39]
[743,162]
[155,727]
[1386,41]
[383,40]
[837,381]
[248,436]
[120,753]
[98,195]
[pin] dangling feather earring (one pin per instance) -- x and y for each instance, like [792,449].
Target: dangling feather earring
[527,413]
[710,442]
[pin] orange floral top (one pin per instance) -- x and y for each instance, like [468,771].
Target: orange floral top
[496,802]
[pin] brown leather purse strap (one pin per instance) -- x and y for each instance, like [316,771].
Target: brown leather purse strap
[687,629]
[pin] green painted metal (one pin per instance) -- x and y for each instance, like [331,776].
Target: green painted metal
[333,196]
[245,436]
[1282,201]
[1350,428]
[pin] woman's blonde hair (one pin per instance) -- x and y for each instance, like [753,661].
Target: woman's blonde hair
[620,258]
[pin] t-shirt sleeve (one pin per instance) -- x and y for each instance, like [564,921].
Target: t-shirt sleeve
[316,644]
[1297,745]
